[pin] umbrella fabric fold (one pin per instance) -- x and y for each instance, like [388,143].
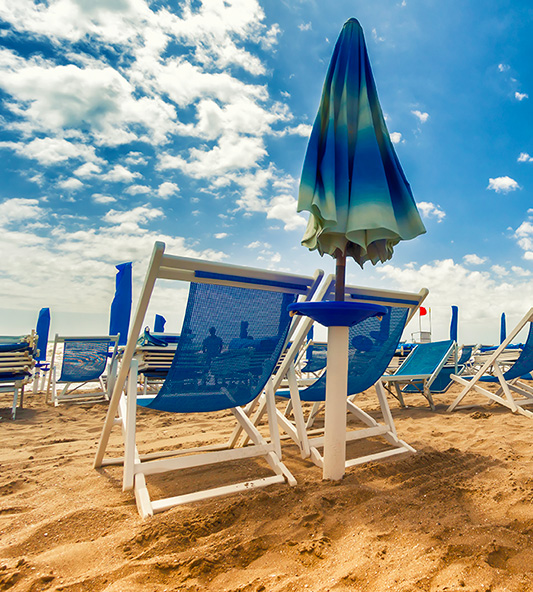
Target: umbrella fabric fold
[352,183]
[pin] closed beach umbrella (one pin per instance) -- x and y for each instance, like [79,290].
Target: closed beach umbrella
[359,201]
[119,320]
[503,328]
[42,330]
[352,184]
[454,323]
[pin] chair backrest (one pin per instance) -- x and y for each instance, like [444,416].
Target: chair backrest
[426,359]
[524,363]
[236,325]
[84,358]
[373,342]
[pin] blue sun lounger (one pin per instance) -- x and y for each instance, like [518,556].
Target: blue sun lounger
[217,366]
[420,369]
[17,360]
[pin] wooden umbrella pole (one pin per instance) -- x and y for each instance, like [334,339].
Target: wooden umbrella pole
[340,276]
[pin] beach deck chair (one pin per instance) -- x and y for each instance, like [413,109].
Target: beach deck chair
[84,360]
[217,366]
[420,369]
[372,344]
[17,360]
[513,392]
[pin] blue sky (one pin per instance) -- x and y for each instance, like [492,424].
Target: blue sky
[126,122]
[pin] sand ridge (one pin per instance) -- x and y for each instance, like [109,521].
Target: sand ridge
[457,515]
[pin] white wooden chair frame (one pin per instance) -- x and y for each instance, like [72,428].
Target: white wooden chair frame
[65,396]
[299,430]
[17,362]
[122,410]
[504,395]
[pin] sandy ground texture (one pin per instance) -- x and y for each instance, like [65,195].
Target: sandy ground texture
[455,516]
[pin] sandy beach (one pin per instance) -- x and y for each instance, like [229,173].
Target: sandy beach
[457,515]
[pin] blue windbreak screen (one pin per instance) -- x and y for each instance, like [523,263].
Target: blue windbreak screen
[83,359]
[372,344]
[230,342]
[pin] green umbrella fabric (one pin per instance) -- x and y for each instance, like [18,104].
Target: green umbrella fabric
[359,200]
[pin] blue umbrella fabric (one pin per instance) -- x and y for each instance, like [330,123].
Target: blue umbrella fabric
[454,323]
[119,321]
[503,328]
[42,330]
[159,323]
[359,200]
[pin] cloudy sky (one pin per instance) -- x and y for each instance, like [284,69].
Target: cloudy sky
[128,121]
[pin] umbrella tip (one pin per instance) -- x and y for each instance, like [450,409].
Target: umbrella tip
[352,21]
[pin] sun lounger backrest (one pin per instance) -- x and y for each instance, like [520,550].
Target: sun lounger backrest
[84,359]
[524,363]
[231,340]
[426,358]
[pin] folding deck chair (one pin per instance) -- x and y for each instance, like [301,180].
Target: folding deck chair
[215,368]
[372,344]
[84,360]
[511,381]
[17,360]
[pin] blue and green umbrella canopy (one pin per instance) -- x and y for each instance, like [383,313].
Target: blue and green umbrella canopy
[359,200]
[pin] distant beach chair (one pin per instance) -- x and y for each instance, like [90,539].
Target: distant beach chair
[17,360]
[509,377]
[372,344]
[84,360]
[421,369]
[217,366]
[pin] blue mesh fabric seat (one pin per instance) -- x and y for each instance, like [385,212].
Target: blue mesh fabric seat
[205,377]
[84,360]
[514,391]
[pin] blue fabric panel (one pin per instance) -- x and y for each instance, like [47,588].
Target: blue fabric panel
[318,358]
[119,320]
[244,280]
[371,347]
[42,330]
[425,359]
[466,354]
[524,364]
[454,323]
[83,359]
[384,299]
[159,323]
[12,376]
[206,374]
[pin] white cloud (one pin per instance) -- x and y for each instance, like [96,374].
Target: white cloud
[258,245]
[167,189]
[88,170]
[50,151]
[500,270]
[220,235]
[102,199]
[376,36]
[422,117]
[305,26]
[473,259]
[503,184]
[130,221]
[71,184]
[283,207]
[503,67]
[521,96]
[524,157]
[120,173]
[302,129]
[431,210]
[396,137]
[138,189]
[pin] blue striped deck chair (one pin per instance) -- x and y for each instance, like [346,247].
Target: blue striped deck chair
[217,366]
[372,344]
[420,369]
[83,360]
[17,360]
[513,392]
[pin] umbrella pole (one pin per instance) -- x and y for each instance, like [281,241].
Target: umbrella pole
[336,389]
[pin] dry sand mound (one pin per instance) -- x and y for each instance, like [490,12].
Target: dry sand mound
[458,515]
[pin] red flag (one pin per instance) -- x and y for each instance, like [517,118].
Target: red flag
[423,311]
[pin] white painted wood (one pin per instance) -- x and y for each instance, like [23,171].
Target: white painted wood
[129,436]
[336,396]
